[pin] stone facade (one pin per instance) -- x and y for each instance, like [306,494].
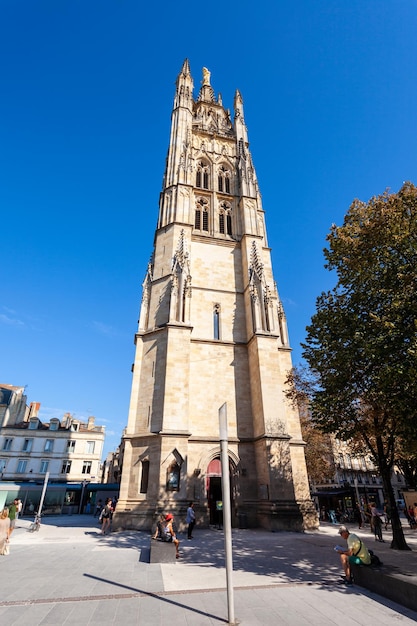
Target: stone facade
[212,330]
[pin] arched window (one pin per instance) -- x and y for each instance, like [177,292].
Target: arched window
[173,477]
[225,219]
[224,180]
[202,175]
[201,218]
[144,479]
[229,223]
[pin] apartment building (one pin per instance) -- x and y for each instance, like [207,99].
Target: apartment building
[68,449]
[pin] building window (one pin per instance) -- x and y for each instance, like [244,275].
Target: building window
[229,224]
[27,445]
[225,219]
[44,467]
[86,467]
[71,445]
[144,479]
[216,321]
[2,465]
[54,424]
[202,175]
[74,427]
[224,180]
[7,444]
[33,423]
[66,467]
[173,477]
[21,466]
[49,445]
[201,221]
[89,447]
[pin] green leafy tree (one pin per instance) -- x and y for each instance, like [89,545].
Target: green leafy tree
[361,345]
[319,449]
[407,462]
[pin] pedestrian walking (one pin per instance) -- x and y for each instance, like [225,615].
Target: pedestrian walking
[13,512]
[106,516]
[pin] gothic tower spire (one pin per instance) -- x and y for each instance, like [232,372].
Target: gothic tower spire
[212,329]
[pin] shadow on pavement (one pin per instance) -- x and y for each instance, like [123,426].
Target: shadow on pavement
[157,596]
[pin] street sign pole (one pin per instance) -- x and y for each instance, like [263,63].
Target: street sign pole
[227,517]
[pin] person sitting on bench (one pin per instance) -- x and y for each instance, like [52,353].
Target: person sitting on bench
[160,525]
[169,533]
[356,553]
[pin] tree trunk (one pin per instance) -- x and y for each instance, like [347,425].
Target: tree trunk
[398,540]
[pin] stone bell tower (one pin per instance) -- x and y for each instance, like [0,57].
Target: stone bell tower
[212,329]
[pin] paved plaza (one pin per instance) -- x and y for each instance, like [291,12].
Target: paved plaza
[68,573]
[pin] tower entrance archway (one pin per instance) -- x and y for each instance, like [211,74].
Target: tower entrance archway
[215,493]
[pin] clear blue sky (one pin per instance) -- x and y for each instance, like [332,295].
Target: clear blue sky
[330,98]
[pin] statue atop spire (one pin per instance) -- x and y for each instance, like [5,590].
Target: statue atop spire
[206,77]
[206,91]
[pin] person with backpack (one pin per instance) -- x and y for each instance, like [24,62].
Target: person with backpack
[356,552]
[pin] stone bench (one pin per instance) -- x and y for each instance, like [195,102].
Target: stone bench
[389,583]
[162,552]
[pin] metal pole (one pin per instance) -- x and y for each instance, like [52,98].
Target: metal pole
[227,517]
[45,483]
[80,509]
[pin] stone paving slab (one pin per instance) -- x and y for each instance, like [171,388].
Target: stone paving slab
[68,573]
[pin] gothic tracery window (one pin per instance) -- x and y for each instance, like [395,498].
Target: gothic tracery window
[202,175]
[201,219]
[224,180]
[225,219]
